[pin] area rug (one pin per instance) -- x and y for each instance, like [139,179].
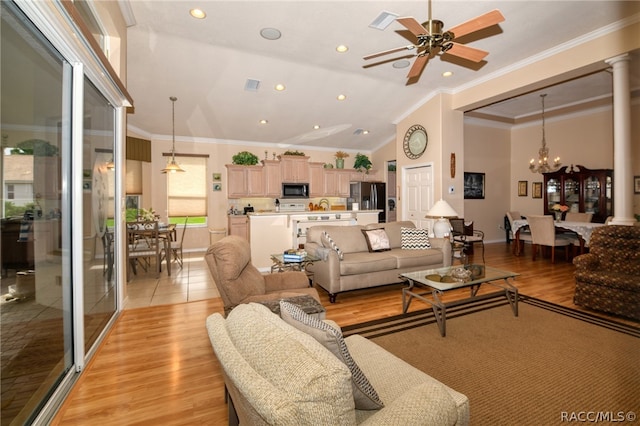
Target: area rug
[550,365]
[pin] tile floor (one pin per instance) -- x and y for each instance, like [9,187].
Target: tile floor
[191,282]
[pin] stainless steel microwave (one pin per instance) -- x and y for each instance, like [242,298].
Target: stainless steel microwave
[295,190]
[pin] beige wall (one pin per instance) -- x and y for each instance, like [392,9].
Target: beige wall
[488,150]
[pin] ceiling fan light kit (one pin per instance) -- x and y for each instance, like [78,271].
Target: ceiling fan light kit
[432,39]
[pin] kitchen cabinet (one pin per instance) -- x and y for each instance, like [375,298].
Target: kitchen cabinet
[581,189]
[272,174]
[372,176]
[295,168]
[245,181]
[239,225]
[336,183]
[316,180]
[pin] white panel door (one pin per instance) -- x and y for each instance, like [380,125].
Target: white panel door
[418,195]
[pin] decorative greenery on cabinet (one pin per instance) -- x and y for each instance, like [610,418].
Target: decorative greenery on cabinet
[245,158]
[362,162]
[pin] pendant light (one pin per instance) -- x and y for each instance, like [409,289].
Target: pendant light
[543,165]
[172,166]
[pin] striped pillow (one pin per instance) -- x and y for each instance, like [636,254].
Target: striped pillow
[414,239]
[364,395]
[328,242]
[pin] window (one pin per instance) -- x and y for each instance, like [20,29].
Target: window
[187,192]
[11,192]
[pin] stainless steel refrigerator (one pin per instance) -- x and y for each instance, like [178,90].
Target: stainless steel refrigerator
[369,196]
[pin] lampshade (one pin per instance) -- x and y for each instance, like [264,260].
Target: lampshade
[441,209]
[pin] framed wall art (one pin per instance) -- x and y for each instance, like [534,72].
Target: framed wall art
[522,188]
[474,186]
[217,187]
[217,176]
[536,190]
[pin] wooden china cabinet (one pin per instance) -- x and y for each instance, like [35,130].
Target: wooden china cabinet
[581,189]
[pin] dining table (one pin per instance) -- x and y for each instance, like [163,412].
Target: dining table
[166,232]
[582,229]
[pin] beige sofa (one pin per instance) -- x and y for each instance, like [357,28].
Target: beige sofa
[277,374]
[361,268]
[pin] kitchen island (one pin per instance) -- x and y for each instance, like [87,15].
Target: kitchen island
[275,232]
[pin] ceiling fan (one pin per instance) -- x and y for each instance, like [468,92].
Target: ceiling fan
[431,39]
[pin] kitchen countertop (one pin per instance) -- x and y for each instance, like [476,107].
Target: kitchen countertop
[309,213]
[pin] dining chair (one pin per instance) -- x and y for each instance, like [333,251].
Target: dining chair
[525,233]
[543,233]
[143,245]
[462,234]
[578,217]
[176,246]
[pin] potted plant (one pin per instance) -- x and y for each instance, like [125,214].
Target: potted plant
[340,156]
[245,158]
[298,153]
[362,163]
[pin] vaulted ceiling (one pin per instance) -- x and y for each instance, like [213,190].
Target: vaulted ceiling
[207,64]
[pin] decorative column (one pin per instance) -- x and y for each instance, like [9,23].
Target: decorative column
[623,184]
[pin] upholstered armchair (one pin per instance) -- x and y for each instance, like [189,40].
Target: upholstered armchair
[238,281]
[608,277]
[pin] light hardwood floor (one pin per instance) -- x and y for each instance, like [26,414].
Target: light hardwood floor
[157,366]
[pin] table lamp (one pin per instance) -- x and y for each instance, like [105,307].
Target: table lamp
[442,211]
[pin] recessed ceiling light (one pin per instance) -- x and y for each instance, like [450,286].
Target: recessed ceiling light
[316,127]
[279,87]
[198,13]
[270,33]
[263,121]
[342,48]
[447,73]
[365,132]
[341,97]
[403,63]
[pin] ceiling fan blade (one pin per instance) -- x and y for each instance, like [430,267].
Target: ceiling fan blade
[412,25]
[418,65]
[477,23]
[386,52]
[466,52]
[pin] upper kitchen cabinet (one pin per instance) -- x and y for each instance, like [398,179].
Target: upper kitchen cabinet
[272,178]
[371,176]
[245,181]
[316,180]
[295,168]
[336,183]
[581,189]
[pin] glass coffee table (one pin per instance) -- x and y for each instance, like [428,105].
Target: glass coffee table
[469,276]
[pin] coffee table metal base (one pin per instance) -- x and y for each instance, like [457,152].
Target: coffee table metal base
[440,308]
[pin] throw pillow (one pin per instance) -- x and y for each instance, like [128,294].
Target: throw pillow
[328,242]
[377,239]
[364,395]
[414,239]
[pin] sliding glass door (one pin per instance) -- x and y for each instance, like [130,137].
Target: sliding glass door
[58,287]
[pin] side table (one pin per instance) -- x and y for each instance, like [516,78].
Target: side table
[281,265]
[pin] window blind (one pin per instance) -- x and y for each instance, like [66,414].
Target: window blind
[187,192]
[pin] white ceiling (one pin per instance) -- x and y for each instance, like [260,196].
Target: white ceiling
[205,64]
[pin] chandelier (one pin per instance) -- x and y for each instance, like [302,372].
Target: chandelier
[543,165]
[172,166]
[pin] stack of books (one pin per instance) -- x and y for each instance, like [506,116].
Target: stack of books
[294,255]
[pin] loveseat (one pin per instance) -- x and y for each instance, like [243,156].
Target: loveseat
[608,277]
[276,373]
[348,262]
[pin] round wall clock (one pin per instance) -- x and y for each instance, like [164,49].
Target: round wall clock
[415,141]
